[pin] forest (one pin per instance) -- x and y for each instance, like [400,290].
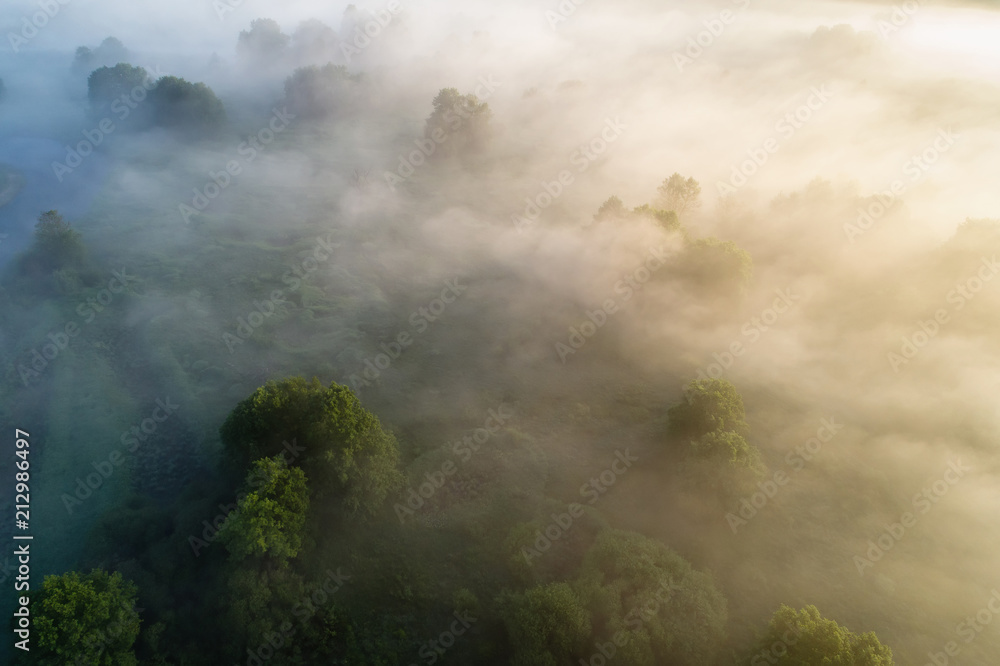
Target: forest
[544,334]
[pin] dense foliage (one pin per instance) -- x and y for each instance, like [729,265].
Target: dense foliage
[191,107]
[317,92]
[90,617]
[805,638]
[269,519]
[345,449]
[460,123]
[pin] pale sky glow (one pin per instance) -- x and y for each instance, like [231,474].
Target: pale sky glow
[964,39]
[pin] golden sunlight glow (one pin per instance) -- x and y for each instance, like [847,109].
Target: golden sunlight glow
[974,34]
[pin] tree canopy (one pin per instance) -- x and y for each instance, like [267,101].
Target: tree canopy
[180,104]
[648,601]
[91,618]
[612,210]
[805,638]
[679,195]
[106,84]
[708,405]
[270,517]
[547,625]
[345,449]
[314,92]
[463,120]
[711,418]
[110,52]
[264,42]
[56,242]
[716,264]
[314,41]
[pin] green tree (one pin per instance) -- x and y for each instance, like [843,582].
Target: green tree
[264,42]
[314,41]
[344,447]
[108,54]
[713,262]
[83,60]
[112,50]
[805,638]
[88,619]
[315,92]
[728,446]
[665,218]
[708,405]
[180,104]
[679,195]
[612,210]
[269,520]
[56,243]
[106,84]
[649,604]
[546,625]
[460,124]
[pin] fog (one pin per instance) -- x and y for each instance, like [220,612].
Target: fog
[850,148]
